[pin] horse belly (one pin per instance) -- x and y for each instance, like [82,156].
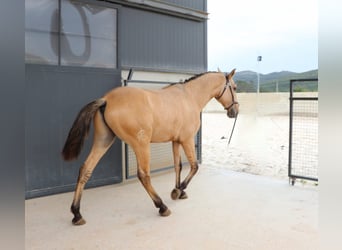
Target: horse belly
[176,128]
[163,135]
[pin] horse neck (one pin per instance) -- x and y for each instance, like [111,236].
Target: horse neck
[204,88]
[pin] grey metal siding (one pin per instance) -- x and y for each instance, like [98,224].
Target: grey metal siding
[191,10]
[54,96]
[191,4]
[154,41]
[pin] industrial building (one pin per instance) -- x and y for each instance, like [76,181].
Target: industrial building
[77,50]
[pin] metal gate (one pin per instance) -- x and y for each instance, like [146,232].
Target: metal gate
[303,138]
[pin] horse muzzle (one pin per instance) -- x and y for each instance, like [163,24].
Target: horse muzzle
[232,110]
[232,113]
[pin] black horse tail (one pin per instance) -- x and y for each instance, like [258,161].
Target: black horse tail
[80,129]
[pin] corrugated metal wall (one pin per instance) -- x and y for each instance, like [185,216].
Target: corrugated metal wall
[154,41]
[197,5]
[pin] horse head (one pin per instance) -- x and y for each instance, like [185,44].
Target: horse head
[228,97]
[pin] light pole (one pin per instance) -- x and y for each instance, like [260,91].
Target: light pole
[259,58]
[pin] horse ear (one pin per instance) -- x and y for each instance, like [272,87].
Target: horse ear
[231,74]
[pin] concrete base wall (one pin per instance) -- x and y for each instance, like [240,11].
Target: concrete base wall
[262,103]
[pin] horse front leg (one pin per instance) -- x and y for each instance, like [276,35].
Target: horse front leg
[189,150]
[176,192]
[143,158]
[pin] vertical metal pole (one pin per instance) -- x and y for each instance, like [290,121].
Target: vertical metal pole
[130,74]
[258,84]
[259,58]
[129,77]
[290,132]
[59,33]
[124,145]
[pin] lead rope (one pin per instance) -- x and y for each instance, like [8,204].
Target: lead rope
[231,134]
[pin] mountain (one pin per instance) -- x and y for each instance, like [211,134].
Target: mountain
[247,81]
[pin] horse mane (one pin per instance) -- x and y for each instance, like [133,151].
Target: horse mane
[190,79]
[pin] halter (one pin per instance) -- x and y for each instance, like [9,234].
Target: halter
[231,92]
[231,105]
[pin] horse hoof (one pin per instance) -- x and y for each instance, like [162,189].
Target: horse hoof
[78,222]
[183,196]
[165,213]
[176,193]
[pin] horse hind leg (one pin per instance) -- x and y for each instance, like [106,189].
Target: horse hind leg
[103,139]
[143,158]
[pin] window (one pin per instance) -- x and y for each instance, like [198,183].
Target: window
[88,35]
[70,33]
[41,31]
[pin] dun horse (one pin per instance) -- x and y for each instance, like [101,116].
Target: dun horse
[140,117]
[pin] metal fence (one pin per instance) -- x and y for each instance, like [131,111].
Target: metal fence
[303,137]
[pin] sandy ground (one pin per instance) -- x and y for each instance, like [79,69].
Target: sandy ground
[225,210]
[259,144]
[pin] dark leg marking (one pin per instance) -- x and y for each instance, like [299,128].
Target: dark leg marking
[146,181]
[77,220]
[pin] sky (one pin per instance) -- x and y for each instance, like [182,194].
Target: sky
[284,33]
